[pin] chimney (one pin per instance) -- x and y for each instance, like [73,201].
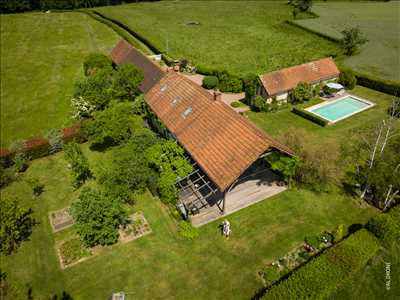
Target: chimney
[217,96]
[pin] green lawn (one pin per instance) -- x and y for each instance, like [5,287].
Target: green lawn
[277,124]
[379,21]
[162,265]
[239,36]
[41,57]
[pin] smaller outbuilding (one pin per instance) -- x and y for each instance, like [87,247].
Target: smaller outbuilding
[279,83]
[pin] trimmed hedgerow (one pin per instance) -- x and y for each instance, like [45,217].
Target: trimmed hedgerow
[386,227]
[310,116]
[378,84]
[323,274]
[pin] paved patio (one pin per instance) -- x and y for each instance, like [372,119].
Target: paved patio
[252,188]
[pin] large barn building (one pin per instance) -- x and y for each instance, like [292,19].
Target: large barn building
[225,148]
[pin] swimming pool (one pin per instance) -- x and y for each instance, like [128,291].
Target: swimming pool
[341,108]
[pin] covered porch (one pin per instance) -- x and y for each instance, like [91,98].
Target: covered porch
[204,203]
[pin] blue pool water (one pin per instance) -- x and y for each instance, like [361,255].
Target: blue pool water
[340,109]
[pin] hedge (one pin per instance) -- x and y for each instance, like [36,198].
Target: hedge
[310,116]
[122,32]
[326,272]
[386,226]
[378,84]
[39,147]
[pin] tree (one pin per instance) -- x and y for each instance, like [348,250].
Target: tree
[97,217]
[302,92]
[16,225]
[78,162]
[96,89]
[112,126]
[210,82]
[126,82]
[376,171]
[286,166]
[129,172]
[94,62]
[352,39]
[348,79]
[259,104]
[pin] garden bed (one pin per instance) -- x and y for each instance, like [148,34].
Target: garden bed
[136,228]
[72,251]
[61,219]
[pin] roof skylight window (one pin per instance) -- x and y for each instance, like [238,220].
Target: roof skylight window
[163,88]
[187,112]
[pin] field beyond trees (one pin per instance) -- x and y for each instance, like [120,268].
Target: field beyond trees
[241,37]
[378,21]
[41,57]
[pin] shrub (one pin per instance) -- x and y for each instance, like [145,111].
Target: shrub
[187,230]
[97,217]
[302,92]
[36,186]
[7,175]
[251,83]
[259,104]
[386,226]
[81,108]
[237,104]
[15,225]
[55,138]
[229,83]
[348,79]
[339,233]
[78,162]
[271,274]
[286,166]
[325,273]
[310,116]
[20,162]
[314,241]
[210,82]
[94,62]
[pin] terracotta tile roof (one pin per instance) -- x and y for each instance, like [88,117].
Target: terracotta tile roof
[221,141]
[286,79]
[125,53]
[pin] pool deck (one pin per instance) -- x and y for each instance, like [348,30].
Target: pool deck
[338,98]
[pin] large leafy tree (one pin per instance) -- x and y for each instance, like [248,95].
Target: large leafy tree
[112,125]
[15,225]
[352,39]
[130,172]
[126,81]
[97,89]
[97,217]
[95,62]
[302,92]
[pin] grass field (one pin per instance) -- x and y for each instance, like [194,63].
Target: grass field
[284,121]
[41,57]
[162,265]
[239,36]
[379,21]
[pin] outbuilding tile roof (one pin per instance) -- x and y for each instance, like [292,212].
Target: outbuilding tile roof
[221,141]
[286,79]
[124,53]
